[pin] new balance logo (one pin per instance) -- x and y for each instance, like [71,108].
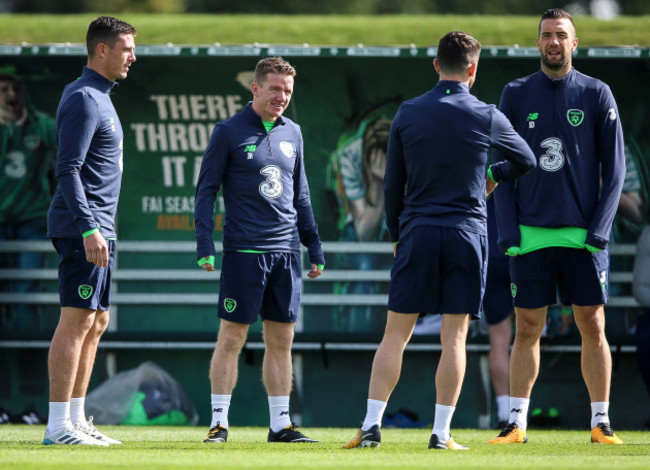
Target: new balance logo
[515,410]
[282,413]
[217,410]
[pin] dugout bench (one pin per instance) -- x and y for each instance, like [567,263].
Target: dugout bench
[174,292]
[162,277]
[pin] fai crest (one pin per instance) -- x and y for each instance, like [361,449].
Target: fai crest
[575,117]
[85,291]
[513,289]
[32,141]
[230,305]
[287,149]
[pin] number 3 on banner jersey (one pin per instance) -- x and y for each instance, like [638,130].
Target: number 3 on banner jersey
[16,167]
[272,187]
[553,159]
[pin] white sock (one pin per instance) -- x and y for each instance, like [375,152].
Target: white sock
[442,421]
[58,416]
[503,407]
[374,413]
[599,413]
[279,412]
[519,412]
[77,411]
[220,406]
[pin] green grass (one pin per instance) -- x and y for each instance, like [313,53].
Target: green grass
[175,447]
[402,30]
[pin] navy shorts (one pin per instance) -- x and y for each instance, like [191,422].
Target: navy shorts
[83,284]
[265,284]
[580,277]
[439,270]
[497,301]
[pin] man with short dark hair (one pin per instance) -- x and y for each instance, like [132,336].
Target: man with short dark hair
[81,224]
[556,224]
[257,158]
[435,188]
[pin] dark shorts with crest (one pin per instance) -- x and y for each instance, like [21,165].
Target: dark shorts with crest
[83,284]
[264,284]
[438,270]
[580,277]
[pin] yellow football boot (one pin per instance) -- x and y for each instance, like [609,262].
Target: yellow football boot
[603,434]
[436,443]
[369,438]
[511,434]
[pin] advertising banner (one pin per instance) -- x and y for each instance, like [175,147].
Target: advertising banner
[344,100]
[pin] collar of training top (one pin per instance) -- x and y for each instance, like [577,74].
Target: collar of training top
[451,87]
[102,83]
[256,118]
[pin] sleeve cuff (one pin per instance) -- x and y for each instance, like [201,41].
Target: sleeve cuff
[489,173]
[206,260]
[90,232]
[592,249]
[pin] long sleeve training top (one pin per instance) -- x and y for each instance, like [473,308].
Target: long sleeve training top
[89,164]
[438,148]
[265,189]
[572,125]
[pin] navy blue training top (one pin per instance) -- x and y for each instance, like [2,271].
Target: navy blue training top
[573,127]
[265,189]
[437,153]
[89,164]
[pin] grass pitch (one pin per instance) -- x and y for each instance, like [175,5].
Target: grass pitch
[181,447]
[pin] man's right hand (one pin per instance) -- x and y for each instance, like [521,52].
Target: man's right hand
[207,266]
[513,251]
[489,186]
[96,249]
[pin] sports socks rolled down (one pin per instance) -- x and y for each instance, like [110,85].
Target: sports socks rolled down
[503,407]
[442,421]
[599,413]
[58,416]
[279,413]
[519,412]
[77,410]
[220,407]
[374,413]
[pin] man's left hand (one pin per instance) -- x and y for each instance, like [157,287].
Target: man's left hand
[315,271]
